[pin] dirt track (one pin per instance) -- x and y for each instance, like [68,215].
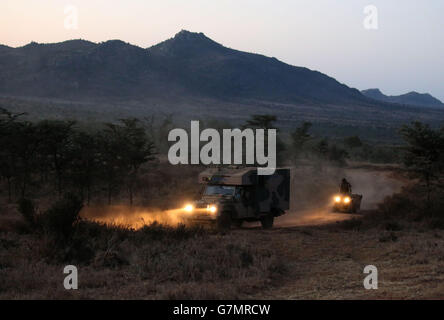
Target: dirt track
[311,201]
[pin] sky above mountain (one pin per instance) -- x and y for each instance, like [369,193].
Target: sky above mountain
[405,53]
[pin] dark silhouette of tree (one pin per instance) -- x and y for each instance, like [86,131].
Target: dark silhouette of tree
[330,152]
[321,148]
[126,148]
[158,130]
[266,121]
[353,142]
[299,138]
[424,153]
[57,147]
[74,160]
[8,149]
[85,163]
[139,150]
[261,121]
[24,147]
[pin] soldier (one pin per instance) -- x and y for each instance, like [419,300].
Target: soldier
[345,187]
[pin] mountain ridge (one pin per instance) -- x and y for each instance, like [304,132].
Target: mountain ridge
[411,98]
[187,64]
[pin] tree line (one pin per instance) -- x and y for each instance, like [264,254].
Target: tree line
[59,154]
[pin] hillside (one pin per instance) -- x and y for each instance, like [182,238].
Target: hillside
[411,98]
[204,66]
[188,64]
[189,77]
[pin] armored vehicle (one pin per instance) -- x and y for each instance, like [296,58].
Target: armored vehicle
[233,195]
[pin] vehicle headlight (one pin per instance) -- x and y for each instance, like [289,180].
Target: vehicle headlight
[347,199]
[188,208]
[337,199]
[211,208]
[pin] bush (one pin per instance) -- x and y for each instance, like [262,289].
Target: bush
[28,210]
[403,204]
[157,231]
[59,220]
[352,224]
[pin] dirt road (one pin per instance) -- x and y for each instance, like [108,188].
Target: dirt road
[312,199]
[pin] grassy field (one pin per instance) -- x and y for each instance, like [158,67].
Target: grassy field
[310,254]
[324,262]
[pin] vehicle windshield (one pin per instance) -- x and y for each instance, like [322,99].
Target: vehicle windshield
[219,190]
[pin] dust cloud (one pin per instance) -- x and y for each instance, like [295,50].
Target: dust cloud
[132,217]
[312,193]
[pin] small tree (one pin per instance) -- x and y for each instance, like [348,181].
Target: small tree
[8,156]
[262,121]
[321,148]
[60,219]
[57,147]
[330,152]
[139,150]
[266,121]
[28,210]
[125,148]
[85,163]
[424,153]
[353,142]
[300,137]
[24,150]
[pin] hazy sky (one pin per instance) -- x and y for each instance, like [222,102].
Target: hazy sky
[405,53]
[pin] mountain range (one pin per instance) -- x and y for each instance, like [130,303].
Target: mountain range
[188,64]
[411,98]
[191,76]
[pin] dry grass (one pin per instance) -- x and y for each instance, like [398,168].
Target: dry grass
[292,262]
[181,263]
[153,262]
[329,264]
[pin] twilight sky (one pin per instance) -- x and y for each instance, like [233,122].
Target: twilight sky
[405,53]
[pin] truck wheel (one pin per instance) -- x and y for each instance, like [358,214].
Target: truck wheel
[223,221]
[267,221]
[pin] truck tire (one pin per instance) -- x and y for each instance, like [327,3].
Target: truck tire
[224,221]
[267,221]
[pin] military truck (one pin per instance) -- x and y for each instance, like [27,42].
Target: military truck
[233,195]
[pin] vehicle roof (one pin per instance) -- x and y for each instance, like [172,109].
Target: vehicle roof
[228,176]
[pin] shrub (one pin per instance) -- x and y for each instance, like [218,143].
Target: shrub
[28,210]
[352,224]
[399,204]
[157,231]
[59,220]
